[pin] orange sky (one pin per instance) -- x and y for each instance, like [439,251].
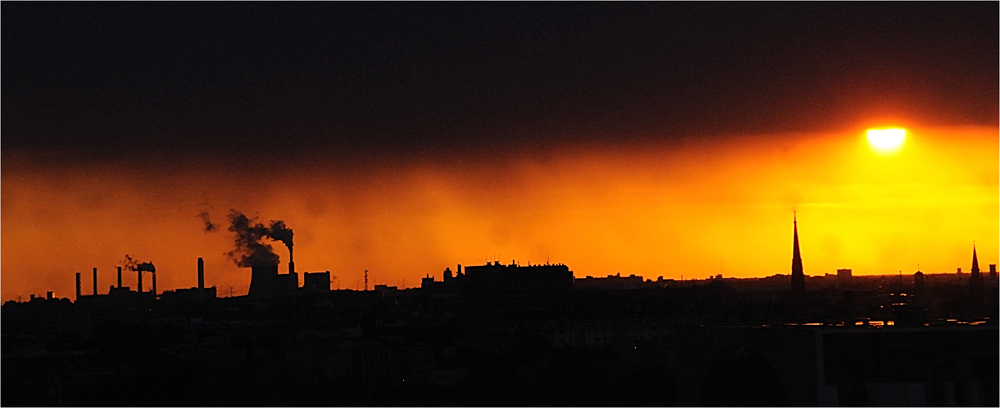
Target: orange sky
[661,209]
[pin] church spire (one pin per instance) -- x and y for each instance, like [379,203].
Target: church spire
[975,262]
[798,278]
[975,278]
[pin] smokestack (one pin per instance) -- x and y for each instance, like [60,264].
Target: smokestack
[48,295]
[459,271]
[154,285]
[78,286]
[201,274]
[119,277]
[139,272]
[291,260]
[201,279]
[95,281]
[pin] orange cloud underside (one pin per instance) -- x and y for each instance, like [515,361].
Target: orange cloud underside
[653,210]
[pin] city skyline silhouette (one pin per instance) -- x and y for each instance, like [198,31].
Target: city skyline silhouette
[713,342]
[252,249]
[500,203]
[523,139]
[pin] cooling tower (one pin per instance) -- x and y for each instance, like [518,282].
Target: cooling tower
[262,280]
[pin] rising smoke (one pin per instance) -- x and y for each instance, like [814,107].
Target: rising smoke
[250,250]
[133,265]
[209,226]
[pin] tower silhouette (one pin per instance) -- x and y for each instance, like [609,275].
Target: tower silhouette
[798,279]
[263,279]
[975,261]
[975,278]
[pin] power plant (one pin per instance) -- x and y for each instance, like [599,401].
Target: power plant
[382,341]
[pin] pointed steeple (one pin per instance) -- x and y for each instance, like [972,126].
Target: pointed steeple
[975,262]
[798,278]
[975,278]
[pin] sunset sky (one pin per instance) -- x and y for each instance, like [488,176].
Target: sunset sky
[649,139]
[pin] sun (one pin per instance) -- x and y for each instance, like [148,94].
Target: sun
[886,140]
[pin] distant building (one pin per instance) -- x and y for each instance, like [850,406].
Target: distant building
[798,278]
[316,281]
[287,283]
[611,282]
[196,294]
[458,276]
[262,277]
[975,278]
[427,281]
[450,291]
[513,288]
[188,295]
[451,282]
[265,281]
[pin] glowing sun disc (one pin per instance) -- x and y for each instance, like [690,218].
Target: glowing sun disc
[886,140]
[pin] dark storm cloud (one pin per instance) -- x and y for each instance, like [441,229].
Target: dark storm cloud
[416,78]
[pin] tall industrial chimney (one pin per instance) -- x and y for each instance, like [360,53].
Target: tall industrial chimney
[154,285]
[78,286]
[139,272]
[291,262]
[119,277]
[95,281]
[201,279]
[201,273]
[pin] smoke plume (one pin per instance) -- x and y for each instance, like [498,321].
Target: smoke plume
[280,232]
[134,265]
[249,248]
[209,226]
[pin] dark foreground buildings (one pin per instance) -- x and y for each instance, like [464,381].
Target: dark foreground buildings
[512,335]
